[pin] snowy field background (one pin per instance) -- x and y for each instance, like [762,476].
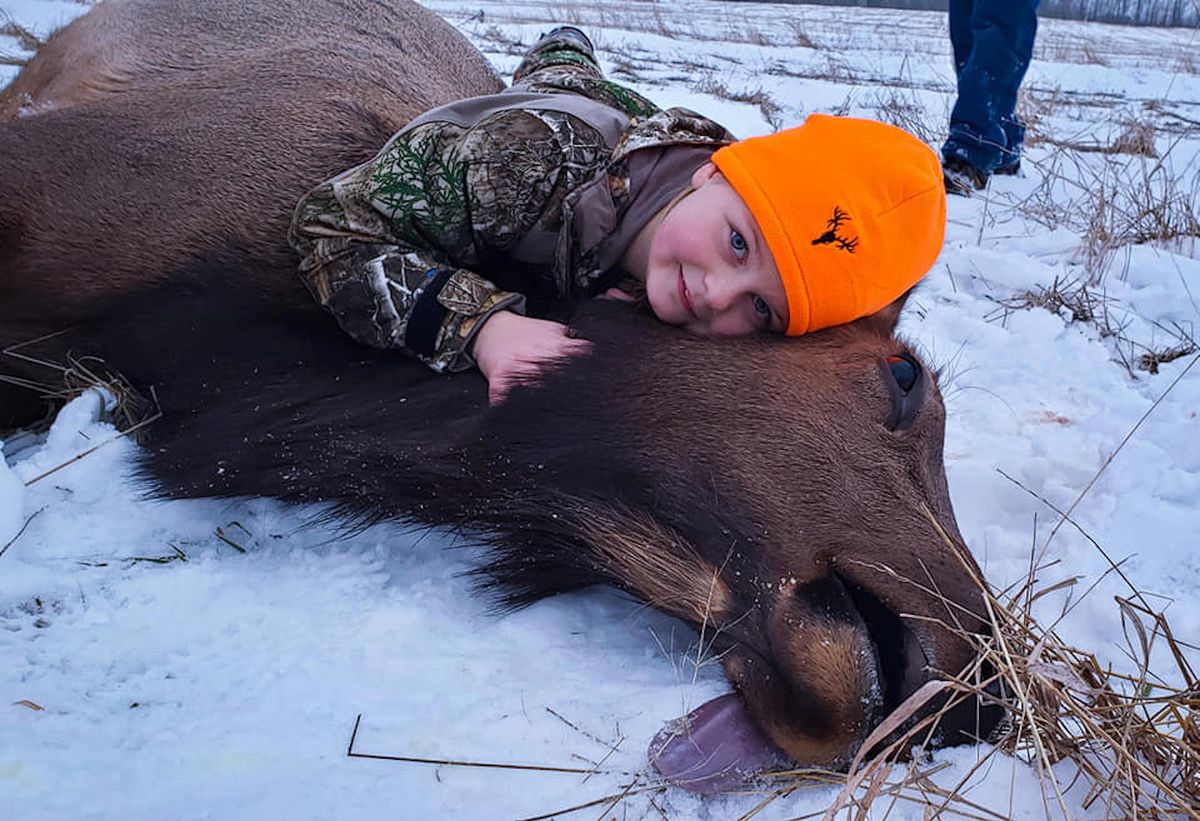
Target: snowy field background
[208,660]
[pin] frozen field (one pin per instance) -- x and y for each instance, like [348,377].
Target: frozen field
[208,660]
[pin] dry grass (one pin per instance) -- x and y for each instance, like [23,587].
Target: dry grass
[1136,138]
[503,42]
[1125,195]
[131,410]
[1150,360]
[651,18]
[800,36]
[1074,49]
[1171,121]
[832,70]
[1034,107]
[900,105]
[1186,63]
[771,111]
[1137,205]
[1090,56]
[899,108]
[1075,300]
[1133,735]
[1070,299]
[26,40]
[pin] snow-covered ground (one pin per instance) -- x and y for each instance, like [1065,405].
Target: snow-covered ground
[208,660]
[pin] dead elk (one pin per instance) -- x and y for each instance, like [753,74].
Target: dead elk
[787,494]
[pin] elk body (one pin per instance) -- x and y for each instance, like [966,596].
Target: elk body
[779,491]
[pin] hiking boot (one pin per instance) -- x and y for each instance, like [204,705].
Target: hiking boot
[962,179]
[1012,169]
[567,34]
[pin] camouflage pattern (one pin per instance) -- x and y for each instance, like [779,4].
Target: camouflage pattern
[394,248]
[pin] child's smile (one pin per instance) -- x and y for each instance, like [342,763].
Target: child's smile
[708,268]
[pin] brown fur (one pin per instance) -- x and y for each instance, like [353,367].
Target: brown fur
[676,581]
[751,486]
[161,129]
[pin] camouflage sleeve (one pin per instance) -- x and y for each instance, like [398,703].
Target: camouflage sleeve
[387,247]
[391,247]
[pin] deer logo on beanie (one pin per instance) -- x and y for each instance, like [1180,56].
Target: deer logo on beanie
[831,234]
[873,193]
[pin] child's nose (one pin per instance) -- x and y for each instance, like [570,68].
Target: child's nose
[723,291]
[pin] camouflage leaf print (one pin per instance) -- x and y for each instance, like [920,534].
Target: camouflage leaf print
[560,78]
[419,184]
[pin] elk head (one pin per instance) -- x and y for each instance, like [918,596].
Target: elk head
[788,498]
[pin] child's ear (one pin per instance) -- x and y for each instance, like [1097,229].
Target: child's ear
[883,321]
[704,173]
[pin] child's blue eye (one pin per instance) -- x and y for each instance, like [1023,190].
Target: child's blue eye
[762,308]
[738,243]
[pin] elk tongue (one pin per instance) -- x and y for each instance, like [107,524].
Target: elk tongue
[713,748]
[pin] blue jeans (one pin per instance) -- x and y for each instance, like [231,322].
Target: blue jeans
[993,43]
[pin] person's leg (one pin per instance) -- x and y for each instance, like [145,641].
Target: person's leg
[1025,12]
[565,45]
[961,176]
[1002,33]
[960,32]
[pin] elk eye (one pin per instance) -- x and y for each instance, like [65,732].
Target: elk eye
[904,371]
[906,390]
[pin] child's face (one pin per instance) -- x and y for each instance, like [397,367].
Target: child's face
[708,267]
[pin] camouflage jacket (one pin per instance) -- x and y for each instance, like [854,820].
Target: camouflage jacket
[509,201]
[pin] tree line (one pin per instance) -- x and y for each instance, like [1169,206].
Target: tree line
[1185,13]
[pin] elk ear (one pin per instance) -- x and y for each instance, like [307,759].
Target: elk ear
[883,321]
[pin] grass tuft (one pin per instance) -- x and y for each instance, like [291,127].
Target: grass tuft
[771,111]
[1127,195]
[1133,736]
[9,27]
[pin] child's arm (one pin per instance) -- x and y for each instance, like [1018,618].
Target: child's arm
[388,247]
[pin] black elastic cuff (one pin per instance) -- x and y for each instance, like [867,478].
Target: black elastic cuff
[427,317]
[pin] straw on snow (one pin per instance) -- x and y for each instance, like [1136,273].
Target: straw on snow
[1134,738]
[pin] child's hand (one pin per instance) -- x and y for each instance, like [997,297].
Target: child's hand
[510,346]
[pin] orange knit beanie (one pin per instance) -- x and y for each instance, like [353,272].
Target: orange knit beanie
[853,211]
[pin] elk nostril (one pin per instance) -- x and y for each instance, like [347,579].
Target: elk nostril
[902,662]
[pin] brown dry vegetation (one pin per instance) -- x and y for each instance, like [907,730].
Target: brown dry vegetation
[26,39]
[772,112]
[1128,195]
[1078,301]
[1132,734]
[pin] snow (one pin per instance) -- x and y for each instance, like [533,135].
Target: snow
[12,501]
[183,677]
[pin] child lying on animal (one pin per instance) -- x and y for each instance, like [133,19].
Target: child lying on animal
[479,214]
